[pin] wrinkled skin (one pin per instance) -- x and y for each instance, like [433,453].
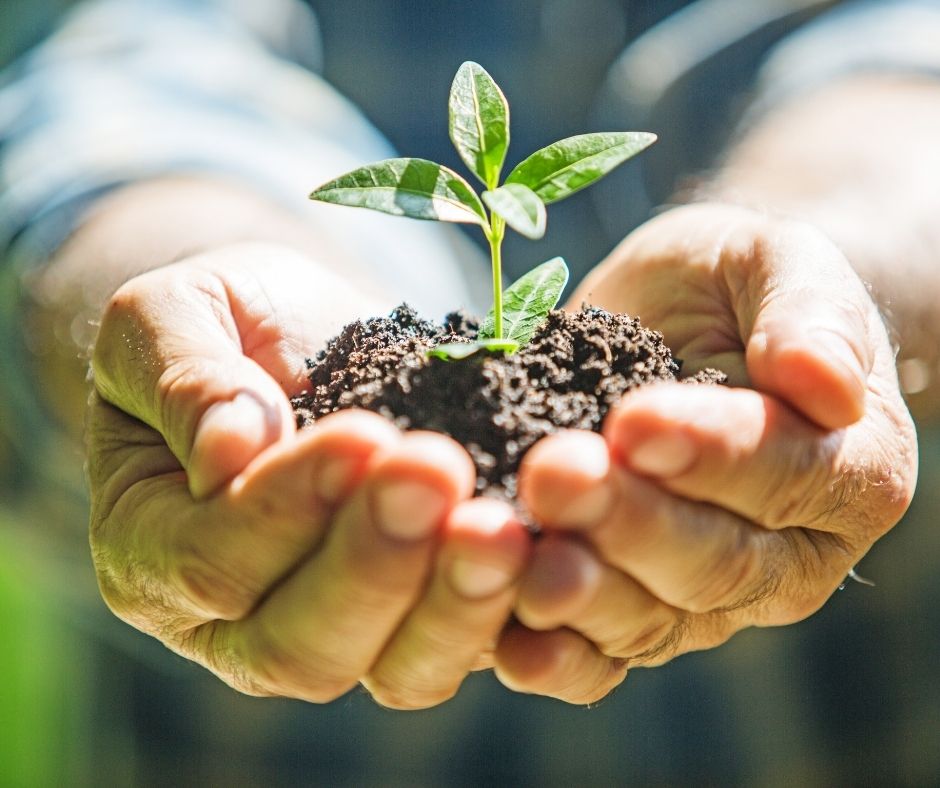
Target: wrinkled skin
[301,564]
[295,564]
[703,510]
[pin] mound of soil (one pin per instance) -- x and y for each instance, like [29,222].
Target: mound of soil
[575,368]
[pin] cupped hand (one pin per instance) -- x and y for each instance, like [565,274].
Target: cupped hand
[288,563]
[706,509]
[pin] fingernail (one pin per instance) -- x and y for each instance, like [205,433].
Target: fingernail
[663,455]
[246,417]
[408,510]
[476,581]
[586,509]
[245,414]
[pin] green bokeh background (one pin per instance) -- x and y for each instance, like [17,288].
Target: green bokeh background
[41,691]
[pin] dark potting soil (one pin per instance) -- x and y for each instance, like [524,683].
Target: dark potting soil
[573,370]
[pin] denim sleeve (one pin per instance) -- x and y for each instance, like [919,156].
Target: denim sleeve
[128,90]
[132,89]
[866,36]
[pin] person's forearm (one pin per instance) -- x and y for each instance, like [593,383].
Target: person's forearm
[860,160]
[134,230]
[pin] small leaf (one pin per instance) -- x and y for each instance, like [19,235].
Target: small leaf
[455,351]
[479,122]
[528,300]
[520,207]
[567,166]
[417,188]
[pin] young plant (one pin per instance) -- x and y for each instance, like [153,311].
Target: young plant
[422,189]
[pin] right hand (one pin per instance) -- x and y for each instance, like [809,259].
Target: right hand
[288,563]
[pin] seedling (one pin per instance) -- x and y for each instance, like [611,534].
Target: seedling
[422,189]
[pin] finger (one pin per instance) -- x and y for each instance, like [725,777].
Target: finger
[275,513]
[169,352]
[809,341]
[469,599]
[690,555]
[566,585]
[718,280]
[736,448]
[564,477]
[751,454]
[322,629]
[172,558]
[559,664]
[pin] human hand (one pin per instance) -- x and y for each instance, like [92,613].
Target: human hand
[706,509]
[288,563]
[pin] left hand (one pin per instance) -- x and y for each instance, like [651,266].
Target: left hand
[703,510]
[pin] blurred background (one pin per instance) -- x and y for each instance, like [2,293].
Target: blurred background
[850,697]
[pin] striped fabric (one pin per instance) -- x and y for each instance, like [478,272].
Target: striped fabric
[134,89]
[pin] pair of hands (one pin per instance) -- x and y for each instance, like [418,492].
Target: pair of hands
[302,563]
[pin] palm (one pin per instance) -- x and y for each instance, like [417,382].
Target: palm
[709,509]
[677,281]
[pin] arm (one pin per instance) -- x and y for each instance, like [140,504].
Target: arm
[707,510]
[295,564]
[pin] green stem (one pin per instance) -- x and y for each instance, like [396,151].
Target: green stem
[496,241]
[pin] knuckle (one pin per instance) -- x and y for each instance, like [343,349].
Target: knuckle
[129,584]
[690,632]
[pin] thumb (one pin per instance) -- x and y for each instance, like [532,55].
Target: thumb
[810,343]
[169,353]
[234,429]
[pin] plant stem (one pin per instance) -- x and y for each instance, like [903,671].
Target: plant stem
[496,241]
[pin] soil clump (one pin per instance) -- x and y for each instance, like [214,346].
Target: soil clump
[568,376]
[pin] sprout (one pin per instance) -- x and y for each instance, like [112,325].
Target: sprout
[422,189]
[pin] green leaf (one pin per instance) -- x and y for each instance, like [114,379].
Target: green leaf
[479,122]
[417,188]
[528,300]
[567,166]
[520,207]
[455,351]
